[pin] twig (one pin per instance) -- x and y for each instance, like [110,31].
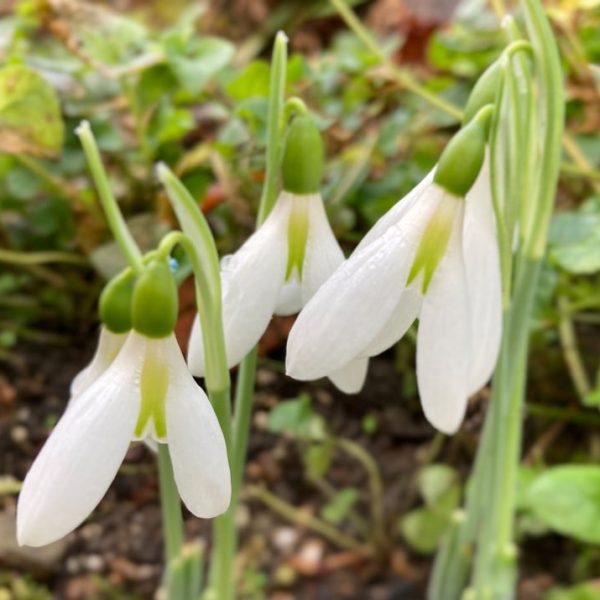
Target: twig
[303,518]
[375,483]
[570,350]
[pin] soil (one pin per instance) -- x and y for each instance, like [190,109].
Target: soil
[117,552]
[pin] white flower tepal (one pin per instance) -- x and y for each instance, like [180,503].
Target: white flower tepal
[433,256]
[109,346]
[147,391]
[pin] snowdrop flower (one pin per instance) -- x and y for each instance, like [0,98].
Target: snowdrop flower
[281,266]
[146,392]
[433,256]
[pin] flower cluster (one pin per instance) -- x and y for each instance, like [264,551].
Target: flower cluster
[137,387]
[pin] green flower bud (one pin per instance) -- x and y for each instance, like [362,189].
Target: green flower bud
[462,158]
[115,303]
[484,91]
[155,305]
[302,164]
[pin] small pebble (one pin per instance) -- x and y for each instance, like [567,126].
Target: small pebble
[261,420]
[285,538]
[285,575]
[90,531]
[72,565]
[19,434]
[93,563]
[265,377]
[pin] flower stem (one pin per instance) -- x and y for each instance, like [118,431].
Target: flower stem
[488,526]
[225,540]
[241,421]
[172,521]
[200,247]
[274,126]
[222,575]
[115,219]
[404,78]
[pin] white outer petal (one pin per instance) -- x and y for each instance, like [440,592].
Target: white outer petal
[251,280]
[351,378]
[356,302]
[482,267]
[109,345]
[323,253]
[402,318]
[196,443]
[82,455]
[444,339]
[398,211]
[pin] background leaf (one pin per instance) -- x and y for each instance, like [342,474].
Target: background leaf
[30,119]
[567,498]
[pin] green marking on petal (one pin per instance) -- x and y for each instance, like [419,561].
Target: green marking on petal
[297,236]
[153,387]
[434,242]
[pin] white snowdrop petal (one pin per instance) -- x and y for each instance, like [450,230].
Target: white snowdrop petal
[290,297]
[402,318]
[355,303]
[351,378]
[482,268]
[398,211]
[109,345]
[323,253]
[444,341]
[321,258]
[196,444]
[82,455]
[251,280]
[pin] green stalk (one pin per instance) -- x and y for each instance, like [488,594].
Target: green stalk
[242,416]
[222,575]
[495,566]
[171,507]
[274,126]
[488,526]
[111,209]
[199,245]
[247,372]
[172,523]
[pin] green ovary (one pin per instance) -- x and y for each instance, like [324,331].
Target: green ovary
[153,387]
[297,237]
[434,242]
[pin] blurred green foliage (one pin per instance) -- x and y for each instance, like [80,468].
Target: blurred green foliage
[166,86]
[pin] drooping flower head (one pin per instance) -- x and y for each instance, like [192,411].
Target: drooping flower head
[433,256]
[281,266]
[146,391]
